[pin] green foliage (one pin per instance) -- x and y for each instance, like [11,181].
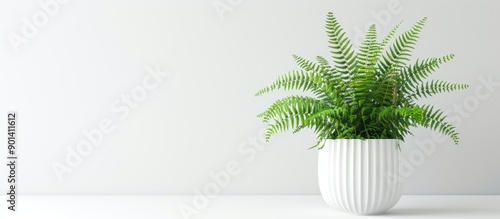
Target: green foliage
[364,94]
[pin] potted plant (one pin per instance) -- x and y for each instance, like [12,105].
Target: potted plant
[361,106]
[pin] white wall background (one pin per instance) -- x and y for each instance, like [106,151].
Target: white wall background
[66,77]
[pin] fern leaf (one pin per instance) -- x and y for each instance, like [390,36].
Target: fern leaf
[433,87]
[434,119]
[421,70]
[391,34]
[342,51]
[400,51]
[295,80]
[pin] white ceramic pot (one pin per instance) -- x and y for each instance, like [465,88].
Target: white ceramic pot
[360,176]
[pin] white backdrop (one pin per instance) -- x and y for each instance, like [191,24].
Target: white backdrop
[170,84]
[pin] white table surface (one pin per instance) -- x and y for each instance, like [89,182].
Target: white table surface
[241,207]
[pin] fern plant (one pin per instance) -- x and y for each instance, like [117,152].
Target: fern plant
[370,93]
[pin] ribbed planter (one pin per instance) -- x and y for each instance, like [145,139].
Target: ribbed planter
[360,176]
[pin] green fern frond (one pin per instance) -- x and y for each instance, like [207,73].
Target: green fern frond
[433,87]
[323,62]
[296,80]
[292,105]
[332,80]
[367,58]
[363,82]
[391,34]
[434,119]
[284,124]
[309,65]
[400,52]
[342,50]
[421,70]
